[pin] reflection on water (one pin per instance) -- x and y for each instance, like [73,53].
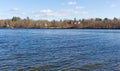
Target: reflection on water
[59,50]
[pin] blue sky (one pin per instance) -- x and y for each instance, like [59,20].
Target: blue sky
[59,9]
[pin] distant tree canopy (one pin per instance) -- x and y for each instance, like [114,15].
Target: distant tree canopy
[16,18]
[97,23]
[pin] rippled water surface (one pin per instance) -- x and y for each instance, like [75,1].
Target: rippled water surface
[59,50]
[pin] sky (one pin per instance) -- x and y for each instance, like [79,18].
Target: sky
[59,9]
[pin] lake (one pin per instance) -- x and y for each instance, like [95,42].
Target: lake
[59,50]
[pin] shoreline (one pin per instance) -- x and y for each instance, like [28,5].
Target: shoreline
[69,28]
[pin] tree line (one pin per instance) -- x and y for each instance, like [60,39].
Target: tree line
[96,23]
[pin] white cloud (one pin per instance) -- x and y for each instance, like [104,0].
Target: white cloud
[14,10]
[72,3]
[81,12]
[113,5]
[79,7]
[71,12]
[61,13]
[69,3]
[46,13]
[17,11]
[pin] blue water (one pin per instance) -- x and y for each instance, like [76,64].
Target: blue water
[59,50]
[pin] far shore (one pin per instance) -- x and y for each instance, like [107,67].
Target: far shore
[97,23]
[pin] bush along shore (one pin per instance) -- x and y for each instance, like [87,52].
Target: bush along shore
[96,23]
